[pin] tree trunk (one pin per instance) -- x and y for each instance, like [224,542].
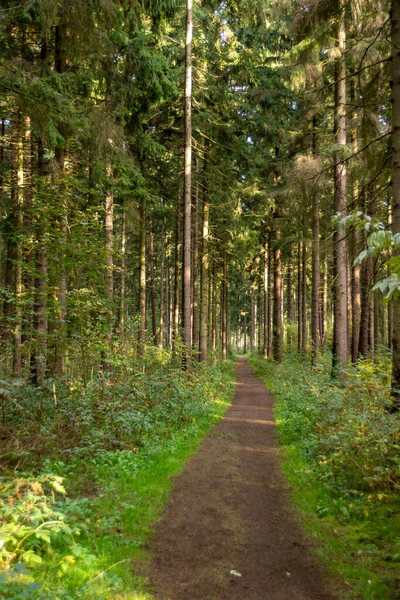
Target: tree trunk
[187,300]
[122,308]
[315,274]
[195,264]
[18,193]
[395,38]
[304,297]
[162,278]
[153,290]
[214,308]
[277,333]
[204,280]
[340,324]
[142,280]
[224,307]
[299,296]
[266,276]
[176,274]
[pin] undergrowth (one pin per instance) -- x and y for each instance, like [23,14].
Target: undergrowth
[86,468]
[342,458]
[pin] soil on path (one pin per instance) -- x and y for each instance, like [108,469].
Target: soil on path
[229,511]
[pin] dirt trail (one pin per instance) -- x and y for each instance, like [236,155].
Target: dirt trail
[229,511]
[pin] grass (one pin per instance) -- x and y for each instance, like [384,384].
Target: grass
[342,459]
[97,547]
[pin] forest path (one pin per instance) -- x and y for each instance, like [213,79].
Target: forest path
[229,511]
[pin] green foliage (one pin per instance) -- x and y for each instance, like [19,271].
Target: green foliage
[343,459]
[114,442]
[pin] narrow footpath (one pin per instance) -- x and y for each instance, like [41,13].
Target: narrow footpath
[228,532]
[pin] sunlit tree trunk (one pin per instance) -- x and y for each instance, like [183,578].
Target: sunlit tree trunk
[18,193]
[142,279]
[122,298]
[340,323]
[204,280]
[187,300]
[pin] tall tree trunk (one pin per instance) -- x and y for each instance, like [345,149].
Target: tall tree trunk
[269,310]
[122,308]
[395,38]
[304,297]
[187,301]
[214,308]
[266,276]
[195,264]
[204,280]
[340,324]
[277,333]
[18,192]
[176,272]
[142,280]
[299,296]
[38,358]
[224,307]
[162,278]
[315,272]
[153,289]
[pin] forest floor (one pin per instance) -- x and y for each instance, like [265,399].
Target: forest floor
[229,530]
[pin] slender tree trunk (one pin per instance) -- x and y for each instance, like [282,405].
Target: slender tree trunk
[304,297]
[162,278]
[269,309]
[224,307]
[277,333]
[176,275]
[187,301]
[153,290]
[315,274]
[395,38]
[38,359]
[142,280]
[340,325]
[18,192]
[214,309]
[204,280]
[122,308]
[266,277]
[168,303]
[195,263]
[299,296]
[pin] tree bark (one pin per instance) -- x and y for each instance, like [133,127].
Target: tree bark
[153,289]
[266,315]
[195,263]
[142,280]
[204,280]
[340,323]
[395,39]
[187,300]
[277,333]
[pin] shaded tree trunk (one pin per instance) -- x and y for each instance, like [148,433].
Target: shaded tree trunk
[395,318]
[277,333]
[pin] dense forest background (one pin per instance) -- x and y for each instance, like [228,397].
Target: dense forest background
[157,195]
[180,181]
